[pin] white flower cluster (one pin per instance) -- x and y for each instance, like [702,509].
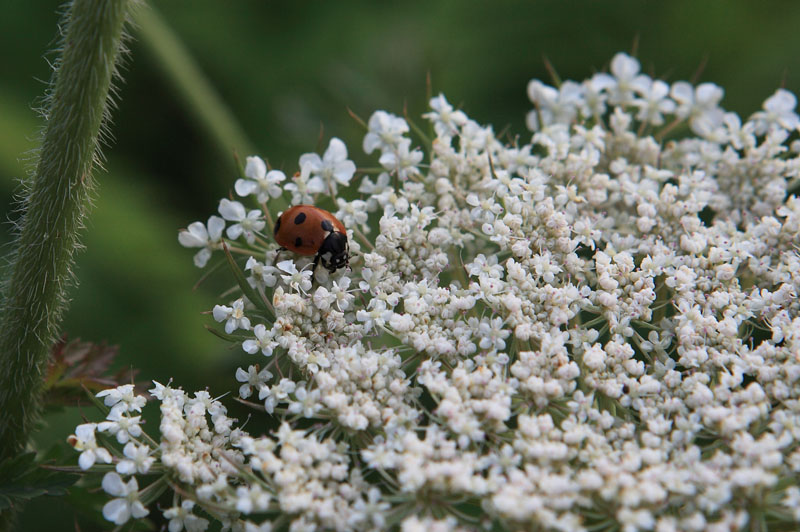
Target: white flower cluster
[598,329]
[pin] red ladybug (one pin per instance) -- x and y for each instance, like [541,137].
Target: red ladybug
[309,230]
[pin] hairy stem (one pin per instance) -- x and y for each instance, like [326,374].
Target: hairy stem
[54,204]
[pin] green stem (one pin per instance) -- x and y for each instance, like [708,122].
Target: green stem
[55,203]
[202,100]
[180,68]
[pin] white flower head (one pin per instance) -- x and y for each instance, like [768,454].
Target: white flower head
[779,113]
[122,398]
[623,80]
[299,280]
[263,184]
[446,120]
[121,425]
[247,223]
[251,499]
[181,517]
[264,341]
[303,186]
[554,106]
[84,441]
[126,504]
[207,237]
[402,161]
[261,272]
[233,316]
[252,378]
[699,104]
[137,460]
[352,213]
[653,101]
[385,132]
[333,167]
[570,304]
[377,192]
[306,402]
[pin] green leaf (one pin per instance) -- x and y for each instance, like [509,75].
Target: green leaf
[23,479]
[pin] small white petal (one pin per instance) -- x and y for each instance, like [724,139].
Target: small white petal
[126,467]
[86,460]
[344,172]
[245,391]
[215,227]
[85,431]
[287,266]
[113,485]
[138,510]
[315,185]
[255,168]
[194,236]
[310,161]
[245,187]
[231,210]
[103,455]
[221,312]
[234,231]
[250,346]
[201,257]
[117,511]
[337,151]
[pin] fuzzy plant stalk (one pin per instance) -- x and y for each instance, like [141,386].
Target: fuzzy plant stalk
[54,204]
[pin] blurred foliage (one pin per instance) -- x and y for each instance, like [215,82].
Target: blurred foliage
[288,72]
[77,369]
[23,479]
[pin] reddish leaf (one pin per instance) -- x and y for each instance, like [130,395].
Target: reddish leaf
[76,366]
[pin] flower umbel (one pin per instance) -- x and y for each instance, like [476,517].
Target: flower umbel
[596,327]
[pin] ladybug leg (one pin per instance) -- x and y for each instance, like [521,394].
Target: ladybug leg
[278,254]
[316,263]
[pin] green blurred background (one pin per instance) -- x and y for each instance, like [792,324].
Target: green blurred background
[287,72]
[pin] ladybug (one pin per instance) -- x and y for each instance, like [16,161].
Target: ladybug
[309,230]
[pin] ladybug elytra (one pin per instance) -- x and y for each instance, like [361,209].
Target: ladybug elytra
[308,230]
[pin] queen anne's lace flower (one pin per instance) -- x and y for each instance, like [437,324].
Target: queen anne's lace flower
[248,223]
[181,517]
[252,378]
[85,442]
[137,459]
[122,399]
[259,181]
[233,317]
[333,167]
[207,237]
[596,327]
[385,132]
[121,425]
[304,187]
[127,503]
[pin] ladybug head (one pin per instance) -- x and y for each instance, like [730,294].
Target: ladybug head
[334,253]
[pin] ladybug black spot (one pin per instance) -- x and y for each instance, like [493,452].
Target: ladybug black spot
[277,225]
[327,226]
[298,242]
[300,218]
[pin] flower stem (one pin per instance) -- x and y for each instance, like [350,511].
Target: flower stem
[180,68]
[54,205]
